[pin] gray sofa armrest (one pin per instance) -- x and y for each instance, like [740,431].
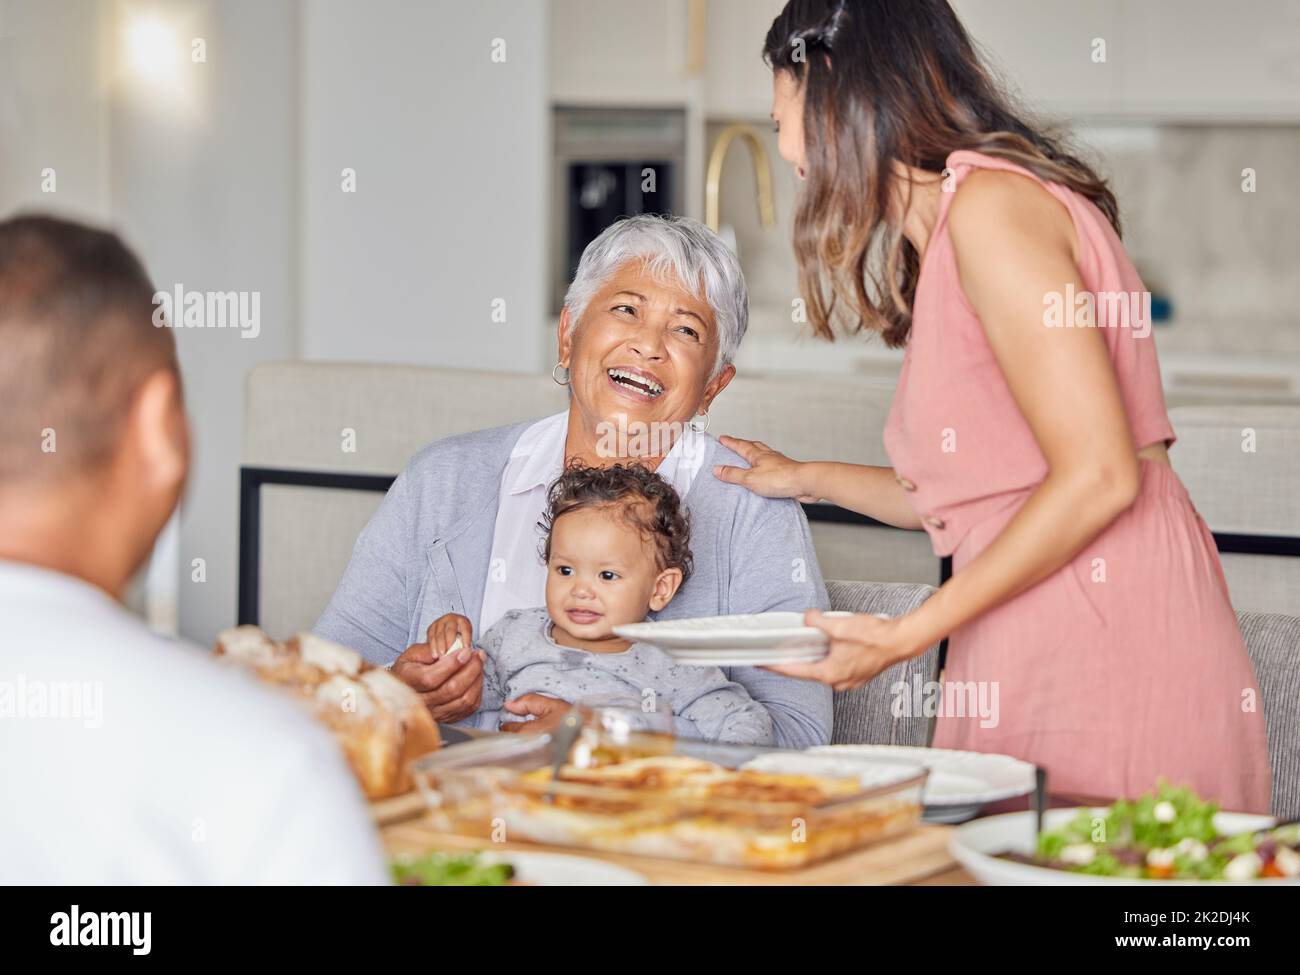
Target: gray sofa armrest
[866,716]
[1273,641]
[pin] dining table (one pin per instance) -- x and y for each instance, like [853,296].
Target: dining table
[919,857]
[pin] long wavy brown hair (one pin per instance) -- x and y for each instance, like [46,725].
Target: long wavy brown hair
[885,82]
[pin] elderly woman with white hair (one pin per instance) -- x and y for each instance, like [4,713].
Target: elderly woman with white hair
[649,329]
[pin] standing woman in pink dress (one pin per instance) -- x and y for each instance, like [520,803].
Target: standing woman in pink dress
[1030,446]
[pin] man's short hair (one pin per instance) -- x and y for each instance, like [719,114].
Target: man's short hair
[76,341]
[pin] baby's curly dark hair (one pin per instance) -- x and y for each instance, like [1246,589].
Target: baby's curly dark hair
[648,502]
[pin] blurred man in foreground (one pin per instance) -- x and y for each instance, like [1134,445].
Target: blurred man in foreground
[127,758]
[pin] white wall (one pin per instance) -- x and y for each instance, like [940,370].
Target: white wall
[54,106]
[225,175]
[451,151]
[197,168]
[204,185]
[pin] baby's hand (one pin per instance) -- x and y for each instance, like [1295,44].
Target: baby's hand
[449,633]
[546,713]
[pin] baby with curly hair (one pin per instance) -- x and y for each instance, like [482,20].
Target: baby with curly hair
[617,547]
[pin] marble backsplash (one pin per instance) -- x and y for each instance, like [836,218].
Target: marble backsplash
[1228,259]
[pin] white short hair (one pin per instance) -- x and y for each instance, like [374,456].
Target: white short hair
[684,247]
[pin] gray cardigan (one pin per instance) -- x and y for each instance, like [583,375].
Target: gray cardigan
[426,550]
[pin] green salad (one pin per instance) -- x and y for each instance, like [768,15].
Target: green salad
[451,870]
[1168,834]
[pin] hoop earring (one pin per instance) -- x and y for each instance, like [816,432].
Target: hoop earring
[692,423]
[556,379]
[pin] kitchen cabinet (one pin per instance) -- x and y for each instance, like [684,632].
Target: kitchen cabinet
[1232,62]
[624,52]
[1166,60]
[1045,50]
[1042,46]
[737,84]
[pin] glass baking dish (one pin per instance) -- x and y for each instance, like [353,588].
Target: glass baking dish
[658,798]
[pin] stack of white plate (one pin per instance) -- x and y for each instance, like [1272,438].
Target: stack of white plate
[960,783]
[870,775]
[753,640]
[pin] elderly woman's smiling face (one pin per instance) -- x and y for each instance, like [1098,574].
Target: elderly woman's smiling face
[646,347]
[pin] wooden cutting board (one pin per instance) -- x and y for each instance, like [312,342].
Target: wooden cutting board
[906,859]
[408,805]
[398,809]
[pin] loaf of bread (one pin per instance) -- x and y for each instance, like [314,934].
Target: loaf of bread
[380,722]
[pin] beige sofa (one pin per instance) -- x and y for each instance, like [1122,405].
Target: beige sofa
[341,431]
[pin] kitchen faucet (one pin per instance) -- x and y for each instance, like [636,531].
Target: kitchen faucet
[762,174]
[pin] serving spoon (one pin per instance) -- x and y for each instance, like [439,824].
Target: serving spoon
[561,744]
[1040,801]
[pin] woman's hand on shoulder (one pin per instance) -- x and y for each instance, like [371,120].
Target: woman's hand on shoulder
[770,473]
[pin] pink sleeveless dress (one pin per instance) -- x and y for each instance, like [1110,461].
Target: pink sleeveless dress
[1127,664]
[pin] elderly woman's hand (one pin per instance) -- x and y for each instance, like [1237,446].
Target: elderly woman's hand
[862,645]
[446,630]
[450,684]
[771,473]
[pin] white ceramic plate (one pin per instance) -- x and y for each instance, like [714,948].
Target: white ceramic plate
[561,870]
[870,775]
[755,639]
[975,844]
[960,783]
[743,658]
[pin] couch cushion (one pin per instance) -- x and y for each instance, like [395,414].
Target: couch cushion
[865,716]
[1240,463]
[335,416]
[1274,644]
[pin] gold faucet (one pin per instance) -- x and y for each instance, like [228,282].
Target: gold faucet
[762,174]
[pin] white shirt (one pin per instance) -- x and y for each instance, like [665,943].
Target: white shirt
[516,577]
[130,759]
